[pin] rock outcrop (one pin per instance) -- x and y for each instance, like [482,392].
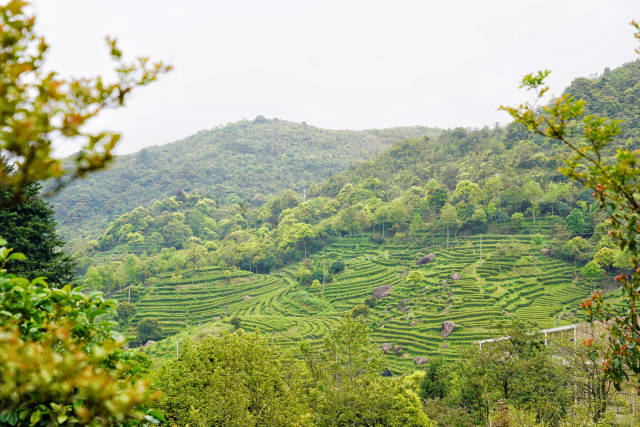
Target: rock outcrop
[382,291]
[447,328]
[419,361]
[426,259]
[455,276]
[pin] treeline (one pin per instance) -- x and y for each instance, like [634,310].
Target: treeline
[287,229]
[523,378]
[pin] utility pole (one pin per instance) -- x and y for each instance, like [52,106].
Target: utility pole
[480,247]
[129,297]
[177,349]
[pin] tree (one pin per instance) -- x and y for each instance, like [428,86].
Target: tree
[417,224]
[492,188]
[316,285]
[175,233]
[449,217]
[436,382]
[517,219]
[303,275]
[575,222]
[29,228]
[55,348]
[363,219]
[195,255]
[606,257]
[592,271]
[615,182]
[92,279]
[517,368]
[148,329]
[126,311]
[591,385]
[235,379]
[347,388]
[533,192]
[466,191]
[39,105]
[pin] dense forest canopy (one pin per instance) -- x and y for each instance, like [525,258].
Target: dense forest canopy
[243,162]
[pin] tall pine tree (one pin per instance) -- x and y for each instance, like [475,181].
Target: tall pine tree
[29,228]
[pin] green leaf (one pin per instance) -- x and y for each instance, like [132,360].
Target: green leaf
[35,417]
[17,256]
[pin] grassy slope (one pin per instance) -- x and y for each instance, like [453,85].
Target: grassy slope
[491,288]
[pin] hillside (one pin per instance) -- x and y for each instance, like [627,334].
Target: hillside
[510,279]
[490,204]
[512,153]
[242,162]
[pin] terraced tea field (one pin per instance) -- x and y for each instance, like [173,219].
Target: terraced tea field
[500,276]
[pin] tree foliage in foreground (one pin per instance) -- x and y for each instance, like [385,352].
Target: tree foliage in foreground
[37,106]
[346,386]
[59,361]
[615,181]
[236,379]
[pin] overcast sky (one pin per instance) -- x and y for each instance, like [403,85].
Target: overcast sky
[334,64]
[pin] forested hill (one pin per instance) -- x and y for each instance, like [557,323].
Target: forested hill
[485,176]
[242,162]
[509,152]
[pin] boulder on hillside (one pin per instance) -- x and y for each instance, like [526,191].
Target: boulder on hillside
[404,308]
[149,343]
[382,291]
[397,349]
[419,361]
[447,328]
[386,347]
[545,251]
[455,276]
[426,259]
[246,297]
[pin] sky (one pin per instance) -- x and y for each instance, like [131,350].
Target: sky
[334,64]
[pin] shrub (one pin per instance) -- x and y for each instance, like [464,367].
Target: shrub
[360,310]
[337,267]
[148,329]
[370,301]
[236,322]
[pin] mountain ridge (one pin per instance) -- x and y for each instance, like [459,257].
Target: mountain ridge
[241,162]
